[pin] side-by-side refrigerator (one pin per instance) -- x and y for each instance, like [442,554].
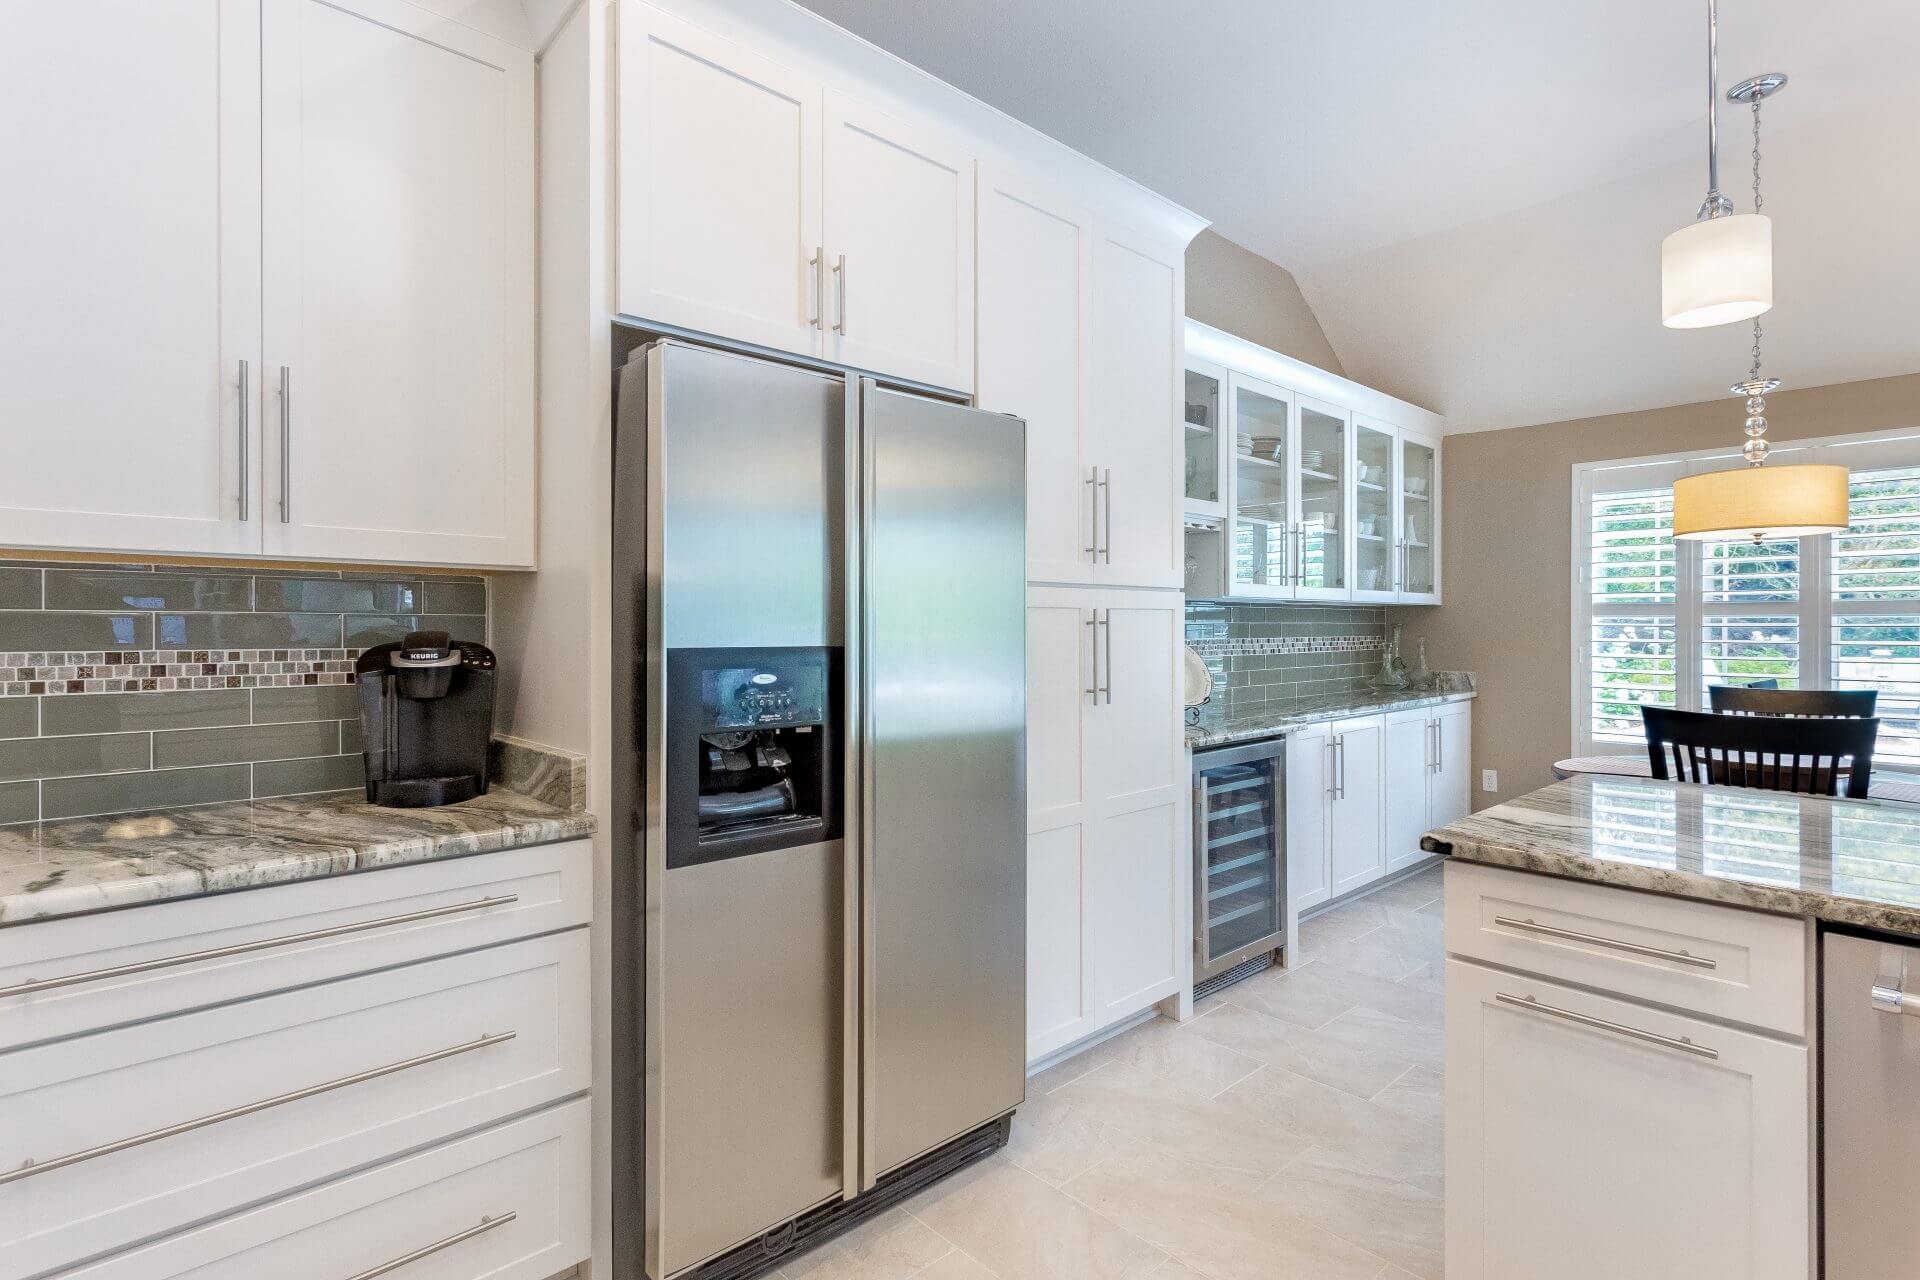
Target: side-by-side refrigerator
[819,826]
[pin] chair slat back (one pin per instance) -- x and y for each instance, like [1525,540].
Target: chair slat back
[1808,755]
[1750,701]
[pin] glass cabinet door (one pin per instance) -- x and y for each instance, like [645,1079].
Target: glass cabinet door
[1201,431]
[1375,546]
[1238,825]
[1419,494]
[1261,499]
[1322,568]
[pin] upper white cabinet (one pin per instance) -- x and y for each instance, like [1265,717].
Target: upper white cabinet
[1079,334]
[132,315]
[298,222]
[1109,912]
[1310,487]
[757,204]
[398,344]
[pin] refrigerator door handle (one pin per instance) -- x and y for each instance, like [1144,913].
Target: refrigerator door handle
[855,854]
[860,641]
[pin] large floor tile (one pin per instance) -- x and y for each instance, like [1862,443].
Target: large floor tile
[1021,1228]
[957,1264]
[1208,1130]
[1347,1059]
[893,1246]
[1067,1071]
[1216,1222]
[1364,1034]
[1054,1138]
[1341,924]
[1166,1057]
[1362,1135]
[1399,1221]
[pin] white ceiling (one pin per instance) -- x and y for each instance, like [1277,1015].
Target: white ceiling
[1472,194]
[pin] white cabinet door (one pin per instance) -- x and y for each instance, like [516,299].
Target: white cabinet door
[899,238]
[1036,255]
[1453,765]
[133,276]
[719,186]
[1355,855]
[1420,531]
[1059,990]
[397,286]
[1135,388]
[1141,877]
[1309,786]
[1588,1152]
[1406,777]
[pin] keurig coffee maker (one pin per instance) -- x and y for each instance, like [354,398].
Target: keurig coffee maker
[426,715]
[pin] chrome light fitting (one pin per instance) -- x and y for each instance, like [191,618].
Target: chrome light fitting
[1719,269]
[1762,503]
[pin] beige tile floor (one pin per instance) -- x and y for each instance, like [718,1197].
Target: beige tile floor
[1291,1129]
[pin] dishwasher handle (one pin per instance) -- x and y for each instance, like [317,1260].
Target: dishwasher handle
[1889,993]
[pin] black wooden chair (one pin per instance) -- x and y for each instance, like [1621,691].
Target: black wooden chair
[1754,701]
[1811,756]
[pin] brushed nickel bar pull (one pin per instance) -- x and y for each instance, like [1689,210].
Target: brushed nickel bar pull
[1439,749]
[1634,948]
[264,944]
[840,274]
[817,264]
[1108,624]
[1106,554]
[1093,655]
[244,416]
[424,1251]
[286,445]
[1093,514]
[30,1168]
[1601,1024]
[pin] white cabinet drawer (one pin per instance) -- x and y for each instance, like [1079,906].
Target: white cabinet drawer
[112,1138]
[1720,961]
[83,973]
[533,1169]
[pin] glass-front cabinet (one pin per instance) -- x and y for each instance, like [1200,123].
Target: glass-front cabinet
[1200,430]
[1376,511]
[1261,523]
[1239,872]
[1322,567]
[1419,489]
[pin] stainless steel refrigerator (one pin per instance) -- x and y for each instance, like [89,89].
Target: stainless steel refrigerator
[820,828]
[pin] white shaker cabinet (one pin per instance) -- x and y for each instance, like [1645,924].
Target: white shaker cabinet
[1427,766]
[132,320]
[1590,1138]
[398,286]
[1309,779]
[1340,780]
[759,205]
[1355,853]
[1108,905]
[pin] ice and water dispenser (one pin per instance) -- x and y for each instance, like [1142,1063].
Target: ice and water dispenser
[754,751]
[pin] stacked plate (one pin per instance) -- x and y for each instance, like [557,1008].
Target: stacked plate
[1313,459]
[1269,446]
[1243,443]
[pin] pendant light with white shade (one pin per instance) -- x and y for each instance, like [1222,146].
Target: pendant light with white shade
[1719,269]
[1756,501]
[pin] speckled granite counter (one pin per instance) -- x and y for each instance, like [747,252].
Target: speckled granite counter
[89,864]
[1844,861]
[1220,731]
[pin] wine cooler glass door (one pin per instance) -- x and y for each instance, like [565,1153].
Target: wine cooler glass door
[1239,882]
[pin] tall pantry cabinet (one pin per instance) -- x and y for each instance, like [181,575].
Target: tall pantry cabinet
[1080,321]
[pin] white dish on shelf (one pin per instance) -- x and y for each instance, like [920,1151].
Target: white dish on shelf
[1198,680]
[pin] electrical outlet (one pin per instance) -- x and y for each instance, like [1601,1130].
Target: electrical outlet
[1489,780]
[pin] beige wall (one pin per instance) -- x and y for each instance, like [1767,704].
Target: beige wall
[1237,290]
[1507,552]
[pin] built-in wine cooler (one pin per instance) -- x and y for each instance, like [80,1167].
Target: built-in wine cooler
[1240,882]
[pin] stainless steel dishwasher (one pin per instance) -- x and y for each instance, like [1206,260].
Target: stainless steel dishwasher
[1870,1106]
[1239,861]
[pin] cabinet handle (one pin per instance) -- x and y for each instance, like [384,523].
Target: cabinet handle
[264,944]
[1680,1043]
[244,416]
[817,266]
[1093,655]
[840,276]
[1107,622]
[1093,514]
[30,1168]
[424,1251]
[1299,536]
[286,445]
[1439,748]
[1340,766]
[1634,948]
[1106,483]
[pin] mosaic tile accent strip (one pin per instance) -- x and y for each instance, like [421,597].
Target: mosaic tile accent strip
[165,670]
[1287,644]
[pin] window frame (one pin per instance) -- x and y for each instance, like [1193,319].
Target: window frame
[1814,610]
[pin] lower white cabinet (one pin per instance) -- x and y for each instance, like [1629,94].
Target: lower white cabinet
[1334,777]
[292,1056]
[1590,1138]
[1427,765]
[1109,911]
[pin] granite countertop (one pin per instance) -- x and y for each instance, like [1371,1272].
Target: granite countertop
[1842,861]
[64,868]
[1218,731]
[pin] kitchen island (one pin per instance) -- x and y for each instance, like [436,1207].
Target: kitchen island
[1634,1028]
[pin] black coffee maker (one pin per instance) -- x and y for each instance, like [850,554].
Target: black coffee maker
[426,716]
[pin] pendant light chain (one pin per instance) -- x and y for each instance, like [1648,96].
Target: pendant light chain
[1754,374]
[1755,387]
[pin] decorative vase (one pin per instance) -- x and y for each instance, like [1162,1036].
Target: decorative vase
[1393,672]
[1421,678]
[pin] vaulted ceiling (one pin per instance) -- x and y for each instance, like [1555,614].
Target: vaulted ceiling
[1472,194]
